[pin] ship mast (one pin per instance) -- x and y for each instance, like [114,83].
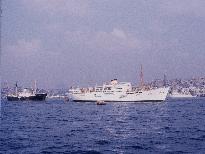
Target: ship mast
[16,89]
[35,86]
[165,80]
[141,77]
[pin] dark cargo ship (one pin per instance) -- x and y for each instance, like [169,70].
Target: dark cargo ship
[27,95]
[36,97]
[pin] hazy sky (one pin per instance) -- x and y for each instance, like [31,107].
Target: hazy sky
[81,42]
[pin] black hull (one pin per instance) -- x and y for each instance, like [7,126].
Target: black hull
[37,97]
[12,98]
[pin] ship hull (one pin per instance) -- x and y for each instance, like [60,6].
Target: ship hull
[36,97]
[12,98]
[155,95]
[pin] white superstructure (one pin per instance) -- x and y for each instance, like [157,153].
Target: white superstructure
[118,92]
[26,93]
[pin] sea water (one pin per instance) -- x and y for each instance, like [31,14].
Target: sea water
[70,127]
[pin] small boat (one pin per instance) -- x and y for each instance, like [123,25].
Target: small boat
[100,103]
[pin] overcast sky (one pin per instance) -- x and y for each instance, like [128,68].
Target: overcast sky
[82,42]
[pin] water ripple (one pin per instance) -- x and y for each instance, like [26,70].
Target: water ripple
[68,127]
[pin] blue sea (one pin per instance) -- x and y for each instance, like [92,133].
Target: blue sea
[115,128]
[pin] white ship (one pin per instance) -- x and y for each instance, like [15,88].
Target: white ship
[118,92]
[174,95]
[181,95]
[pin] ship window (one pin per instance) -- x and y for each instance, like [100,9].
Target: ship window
[107,88]
[108,93]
